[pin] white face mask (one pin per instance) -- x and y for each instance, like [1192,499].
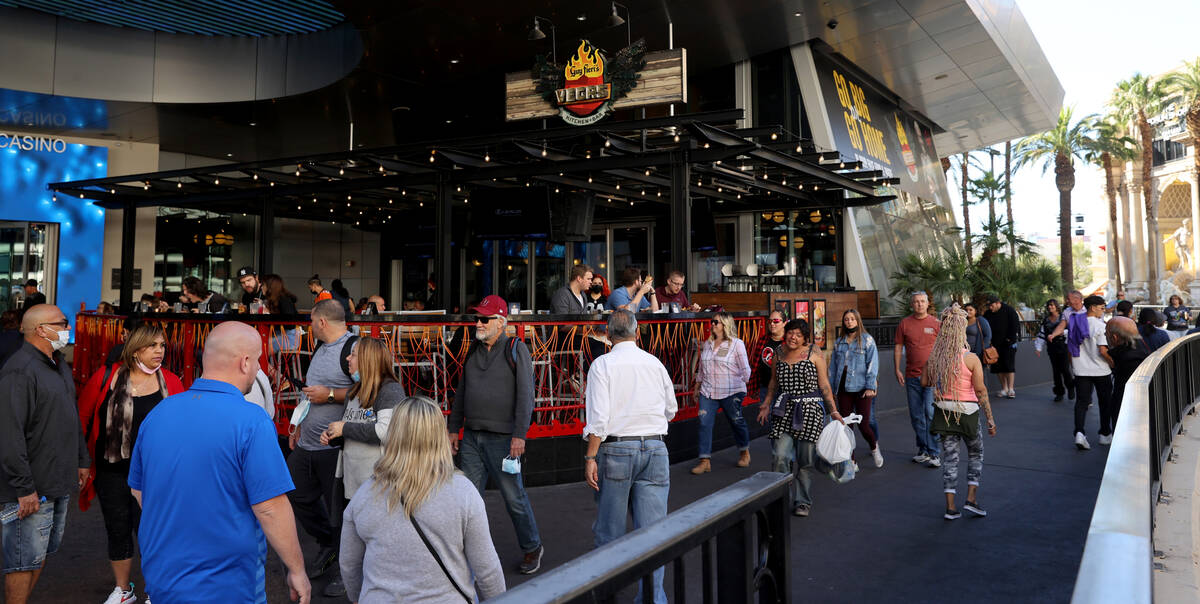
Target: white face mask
[63,337]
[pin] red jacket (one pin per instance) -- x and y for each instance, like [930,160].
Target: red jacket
[90,399]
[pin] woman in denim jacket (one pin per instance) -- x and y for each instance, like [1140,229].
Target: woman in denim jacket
[853,373]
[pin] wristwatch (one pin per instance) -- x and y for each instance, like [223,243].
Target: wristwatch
[589,458]
[330,398]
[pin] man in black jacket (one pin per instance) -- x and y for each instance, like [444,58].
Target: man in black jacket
[1006,329]
[43,455]
[1127,350]
[569,299]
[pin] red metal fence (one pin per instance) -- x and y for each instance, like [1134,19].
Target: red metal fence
[428,356]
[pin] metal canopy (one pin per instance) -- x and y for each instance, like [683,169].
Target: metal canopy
[623,162]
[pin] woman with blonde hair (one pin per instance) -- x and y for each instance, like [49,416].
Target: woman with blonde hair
[417,529]
[112,407]
[369,405]
[724,370]
[956,376]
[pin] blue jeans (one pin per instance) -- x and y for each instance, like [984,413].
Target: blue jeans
[874,425]
[920,411]
[796,457]
[479,456]
[732,406]
[28,540]
[633,476]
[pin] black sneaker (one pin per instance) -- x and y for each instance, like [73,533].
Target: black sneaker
[335,588]
[1071,394]
[1058,398]
[532,561]
[324,560]
[952,514]
[975,508]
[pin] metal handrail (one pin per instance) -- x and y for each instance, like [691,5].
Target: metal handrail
[1117,564]
[745,526]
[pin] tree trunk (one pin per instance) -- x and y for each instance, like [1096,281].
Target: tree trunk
[966,209]
[1152,236]
[1064,179]
[1012,227]
[992,198]
[1111,188]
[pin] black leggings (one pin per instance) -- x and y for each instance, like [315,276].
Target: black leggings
[121,512]
[1060,366]
[1102,385]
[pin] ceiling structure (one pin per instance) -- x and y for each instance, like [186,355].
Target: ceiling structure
[972,67]
[208,18]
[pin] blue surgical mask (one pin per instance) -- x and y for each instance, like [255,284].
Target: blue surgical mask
[510,465]
[356,377]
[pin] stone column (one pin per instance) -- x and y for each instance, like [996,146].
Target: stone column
[1138,289]
[1194,284]
[1123,225]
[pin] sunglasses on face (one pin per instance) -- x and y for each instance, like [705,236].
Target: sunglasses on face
[777,320]
[484,320]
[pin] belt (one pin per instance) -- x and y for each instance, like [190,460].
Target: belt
[621,439]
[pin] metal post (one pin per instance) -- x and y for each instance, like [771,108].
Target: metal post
[441,243]
[266,238]
[681,209]
[128,232]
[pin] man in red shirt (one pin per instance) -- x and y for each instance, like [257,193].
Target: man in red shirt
[673,292]
[915,336]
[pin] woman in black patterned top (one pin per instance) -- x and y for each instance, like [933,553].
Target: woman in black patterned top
[797,371]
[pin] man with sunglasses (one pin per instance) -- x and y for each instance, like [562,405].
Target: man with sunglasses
[493,406]
[43,455]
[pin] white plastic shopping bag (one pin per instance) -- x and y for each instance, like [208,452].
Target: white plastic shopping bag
[836,443]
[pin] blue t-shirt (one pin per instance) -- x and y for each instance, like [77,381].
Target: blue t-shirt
[620,297]
[202,458]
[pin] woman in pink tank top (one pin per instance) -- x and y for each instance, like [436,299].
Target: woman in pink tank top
[956,376]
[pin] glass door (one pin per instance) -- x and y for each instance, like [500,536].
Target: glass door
[630,248]
[27,251]
[550,272]
[513,268]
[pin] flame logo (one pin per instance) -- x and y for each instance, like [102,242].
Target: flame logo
[586,62]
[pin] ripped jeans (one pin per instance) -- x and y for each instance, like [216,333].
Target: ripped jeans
[732,407]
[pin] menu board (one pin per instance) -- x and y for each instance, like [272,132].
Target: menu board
[874,130]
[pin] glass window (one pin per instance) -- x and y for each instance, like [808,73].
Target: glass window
[631,248]
[27,251]
[705,273]
[514,272]
[194,243]
[550,272]
[795,250]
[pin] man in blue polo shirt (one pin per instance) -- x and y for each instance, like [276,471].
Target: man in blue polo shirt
[211,481]
[634,295]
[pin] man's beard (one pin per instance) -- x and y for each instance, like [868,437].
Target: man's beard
[481,335]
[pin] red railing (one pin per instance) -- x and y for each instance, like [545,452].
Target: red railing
[428,353]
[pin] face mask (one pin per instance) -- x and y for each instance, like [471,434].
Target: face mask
[58,344]
[146,370]
[851,329]
[356,377]
[595,289]
[510,465]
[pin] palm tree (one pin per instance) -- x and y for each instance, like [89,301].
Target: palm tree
[988,187]
[1008,190]
[1059,147]
[1186,84]
[964,165]
[1111,148]
[1135,100]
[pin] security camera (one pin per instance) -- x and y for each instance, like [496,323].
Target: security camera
[833,23]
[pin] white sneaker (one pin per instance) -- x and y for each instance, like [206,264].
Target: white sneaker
[121,596]
[878,456]
[1081,442]
[1106,439]
[934,462]
[920,458]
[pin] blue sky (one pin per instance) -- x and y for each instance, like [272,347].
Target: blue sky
[1092,45]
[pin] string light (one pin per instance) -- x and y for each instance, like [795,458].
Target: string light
[676,138]
[487,156]
[256,177]
[216,181]
[341,171]
[178,185]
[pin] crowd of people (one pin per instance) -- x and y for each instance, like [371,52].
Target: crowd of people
[370,470]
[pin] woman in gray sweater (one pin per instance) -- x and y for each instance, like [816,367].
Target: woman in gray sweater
[369,405]
[383,556]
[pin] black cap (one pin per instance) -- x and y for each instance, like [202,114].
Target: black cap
[246,270]
[31,283]
[993,298]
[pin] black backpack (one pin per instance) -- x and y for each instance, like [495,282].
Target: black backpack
[347,348]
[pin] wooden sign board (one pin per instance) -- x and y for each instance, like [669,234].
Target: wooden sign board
[664,80]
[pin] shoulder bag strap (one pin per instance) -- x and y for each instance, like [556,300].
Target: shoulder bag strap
[429,546]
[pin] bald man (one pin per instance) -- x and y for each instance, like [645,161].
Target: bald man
[43,455]
[1127,350]
[377,300]
[212,483]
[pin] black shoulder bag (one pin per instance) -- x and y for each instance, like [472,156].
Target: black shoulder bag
[429,546]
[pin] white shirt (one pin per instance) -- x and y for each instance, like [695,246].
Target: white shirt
[629,393]
[1089,363]
[260,394]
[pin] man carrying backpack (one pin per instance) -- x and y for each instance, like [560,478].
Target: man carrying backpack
[311,463]
[493,404]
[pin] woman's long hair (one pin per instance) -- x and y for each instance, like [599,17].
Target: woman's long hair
[416,458]
[374,370]
[141,337]
[944,363]
[858,335]
[274,291]
[727,325]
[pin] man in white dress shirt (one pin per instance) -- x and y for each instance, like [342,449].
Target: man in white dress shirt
[630,399]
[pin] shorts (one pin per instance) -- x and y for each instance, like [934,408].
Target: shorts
[27,541]
[1007,361]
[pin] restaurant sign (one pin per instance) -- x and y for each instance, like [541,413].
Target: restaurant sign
[870,128]
[590,85]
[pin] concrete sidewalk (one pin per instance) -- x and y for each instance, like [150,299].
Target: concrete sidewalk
[878,538]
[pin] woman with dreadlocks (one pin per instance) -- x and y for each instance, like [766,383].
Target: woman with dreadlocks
[956,376]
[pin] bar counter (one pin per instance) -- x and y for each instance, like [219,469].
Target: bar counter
[428,352]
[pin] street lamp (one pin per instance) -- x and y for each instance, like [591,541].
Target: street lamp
[614,20]
[537,34]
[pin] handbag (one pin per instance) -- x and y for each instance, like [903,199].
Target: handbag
[990,356]
[420,533]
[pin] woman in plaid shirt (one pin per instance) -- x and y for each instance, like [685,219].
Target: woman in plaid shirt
[724,369]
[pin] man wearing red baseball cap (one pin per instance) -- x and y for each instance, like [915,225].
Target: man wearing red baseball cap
[493,405]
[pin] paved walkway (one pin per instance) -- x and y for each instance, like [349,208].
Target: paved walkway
[878,538]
